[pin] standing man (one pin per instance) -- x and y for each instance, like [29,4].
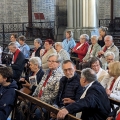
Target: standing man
[93,104]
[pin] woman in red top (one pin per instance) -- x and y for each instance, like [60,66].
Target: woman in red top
[81,48]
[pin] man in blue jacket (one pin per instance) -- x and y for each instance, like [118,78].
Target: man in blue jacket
[93,104]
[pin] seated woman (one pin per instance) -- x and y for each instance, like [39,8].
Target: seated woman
[69,42]
[110,57]
[44,53]
[7,92]
[113,82]
[81,48]
[24,48]
[102,33]
[92,52]
[35,75]
[38,47]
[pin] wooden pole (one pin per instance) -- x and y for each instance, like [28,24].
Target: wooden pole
[29,13]
[112,10]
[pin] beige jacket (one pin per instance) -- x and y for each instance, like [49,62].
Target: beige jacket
[45,58]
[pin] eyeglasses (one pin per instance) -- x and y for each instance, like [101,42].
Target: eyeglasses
[52,61]
[69,69]
[110,59]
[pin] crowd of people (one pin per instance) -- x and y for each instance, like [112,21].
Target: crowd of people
[54,80]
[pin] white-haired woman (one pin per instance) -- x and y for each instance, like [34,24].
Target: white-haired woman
[110,57]
[81,48]
[35,76]
[63,53]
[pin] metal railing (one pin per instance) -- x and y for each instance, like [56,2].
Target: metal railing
[21,28]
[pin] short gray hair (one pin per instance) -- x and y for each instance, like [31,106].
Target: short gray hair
[109,54]
[89,74]
[38,40]
[95,37]
[59,43]
[111,37]
[59,59]
[13,44]
[85,36]
[35,60]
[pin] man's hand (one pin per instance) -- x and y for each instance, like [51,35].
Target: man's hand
[67,100]
[61,114]
[100,52]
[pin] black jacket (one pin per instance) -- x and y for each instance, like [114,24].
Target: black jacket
[37,53]
[69,88]
[18,66]
[94,106]
[39,76]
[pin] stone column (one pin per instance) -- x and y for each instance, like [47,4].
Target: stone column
[75,13]
[92,13]
[70,13]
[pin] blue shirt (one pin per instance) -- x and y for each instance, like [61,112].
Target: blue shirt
[25,49]
[68,44]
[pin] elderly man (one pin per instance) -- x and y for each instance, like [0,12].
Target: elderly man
[63,53]
[18,60]
[96,65]
[66,93]
[109,46]
[49,85]
[93,104]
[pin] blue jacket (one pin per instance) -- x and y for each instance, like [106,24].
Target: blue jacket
[69,88]
[7,98]
[68,44]
[94,106]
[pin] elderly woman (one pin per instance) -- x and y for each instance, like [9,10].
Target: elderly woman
[102,33]
[110,57]
[46,52]
[69,42]
[38,47]
[63,53]
[93,48]
[35,75]
[81,48]
[113,81]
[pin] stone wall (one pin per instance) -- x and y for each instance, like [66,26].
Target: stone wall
[12,11]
